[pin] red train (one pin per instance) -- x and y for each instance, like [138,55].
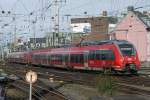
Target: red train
[119,55]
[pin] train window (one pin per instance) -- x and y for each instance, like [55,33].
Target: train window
[35,56]
[60,57]
[53,57]
[40,56]
[107,55]
[101,55]
[49,57]
[71,58]
[56,57]
[98,55]
[92,55]
[81,58]
[127,49]
[45,56]
[66,58]
[63,57]
[76,58]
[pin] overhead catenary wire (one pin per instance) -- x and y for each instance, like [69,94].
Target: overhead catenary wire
[24,6]
[137,2]
[51,4]
[1,7]
[79,6]
[14,5]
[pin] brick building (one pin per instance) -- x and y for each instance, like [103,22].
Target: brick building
[98,24]
[99,28]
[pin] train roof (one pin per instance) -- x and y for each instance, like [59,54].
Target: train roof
[105,42]
[92,43]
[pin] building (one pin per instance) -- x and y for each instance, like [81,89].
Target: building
[96,24]
[79,37]
[35,43]
[99,28]
[135,27]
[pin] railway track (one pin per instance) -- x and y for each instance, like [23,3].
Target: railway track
[134,84]
[40,91]
[59,75]
[134,89]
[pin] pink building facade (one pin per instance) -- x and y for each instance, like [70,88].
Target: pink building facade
[135,30]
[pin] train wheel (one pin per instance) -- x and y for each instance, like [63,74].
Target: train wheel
[131,69]
[133,72]
[115,72]
[70,68]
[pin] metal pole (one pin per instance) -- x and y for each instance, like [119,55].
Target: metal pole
[15,37]
[30,95]
[34,40]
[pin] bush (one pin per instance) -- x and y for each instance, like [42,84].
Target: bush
[106,84]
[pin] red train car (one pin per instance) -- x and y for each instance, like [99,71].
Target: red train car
[119,55]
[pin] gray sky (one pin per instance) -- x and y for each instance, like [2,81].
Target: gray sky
[73,7]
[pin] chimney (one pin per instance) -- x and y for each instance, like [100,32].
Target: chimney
[104,13]
[130,8]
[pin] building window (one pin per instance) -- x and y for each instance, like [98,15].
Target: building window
[130,25]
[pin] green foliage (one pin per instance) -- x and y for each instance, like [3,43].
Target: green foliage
[113,20]
[106,84]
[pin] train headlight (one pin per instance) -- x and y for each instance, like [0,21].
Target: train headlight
[117,66]
[121,60]
[135,58]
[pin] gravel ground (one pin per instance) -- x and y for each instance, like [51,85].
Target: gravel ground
[80,92]
[15,94]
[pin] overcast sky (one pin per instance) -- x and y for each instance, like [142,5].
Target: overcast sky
[72,7]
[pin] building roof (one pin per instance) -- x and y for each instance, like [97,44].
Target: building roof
[111,19]
[143,17]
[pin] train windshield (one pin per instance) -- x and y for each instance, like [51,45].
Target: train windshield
[127,49]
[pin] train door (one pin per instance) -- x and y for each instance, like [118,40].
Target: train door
[63,60]
[49,59]
[86,54]
[46,59]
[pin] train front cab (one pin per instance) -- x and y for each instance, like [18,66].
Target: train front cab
[128,60]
